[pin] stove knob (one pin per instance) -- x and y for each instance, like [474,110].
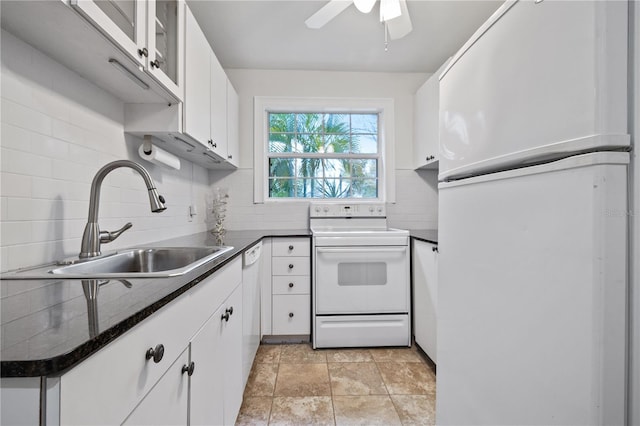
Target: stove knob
[379,209]
[371,209]
[326,209]
[317,209]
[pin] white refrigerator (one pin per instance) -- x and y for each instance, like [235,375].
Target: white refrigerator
[533,223]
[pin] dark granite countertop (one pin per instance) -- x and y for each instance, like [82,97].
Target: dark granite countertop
[48,326]
[428,235]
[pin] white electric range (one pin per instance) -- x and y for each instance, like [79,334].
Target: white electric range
[361,286]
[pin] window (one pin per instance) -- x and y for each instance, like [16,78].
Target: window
[321,149]
[323,155]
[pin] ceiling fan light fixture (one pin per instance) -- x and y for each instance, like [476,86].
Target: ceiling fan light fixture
[364,6]
[389,9]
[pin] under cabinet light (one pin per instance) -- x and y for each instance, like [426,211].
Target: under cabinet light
[126,71]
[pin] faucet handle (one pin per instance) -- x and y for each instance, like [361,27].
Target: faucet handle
[107,237]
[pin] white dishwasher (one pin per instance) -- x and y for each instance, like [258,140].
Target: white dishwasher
[251,277]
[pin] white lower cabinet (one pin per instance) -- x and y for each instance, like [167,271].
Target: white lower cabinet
[216,354]
[166,403]
[145,376]
[425,295]
[290,286]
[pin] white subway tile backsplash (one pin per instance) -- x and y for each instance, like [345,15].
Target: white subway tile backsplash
[68,132]
[15,137]
[14,185]
[15,233]
[48,146]
[26,163]
[68,171]
[15,88]
[27,118]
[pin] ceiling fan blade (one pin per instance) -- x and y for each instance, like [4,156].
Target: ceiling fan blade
[400,26]
[327,13]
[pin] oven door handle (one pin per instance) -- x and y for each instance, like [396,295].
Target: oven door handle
[359,249]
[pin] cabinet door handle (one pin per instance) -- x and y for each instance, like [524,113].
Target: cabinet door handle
[156,353]
[291,247]
[291,266]
[211,144]
[434,249]
[229,157]
[290,285]
[225,316]
[143,52]
[189,369]
[155,64]
[229,310]
[290,314]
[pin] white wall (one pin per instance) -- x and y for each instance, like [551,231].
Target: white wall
[416,192]
[58,129]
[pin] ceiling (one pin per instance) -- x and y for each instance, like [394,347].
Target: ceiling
[268,34]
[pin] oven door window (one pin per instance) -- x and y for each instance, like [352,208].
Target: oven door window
[354,280]
[362,273]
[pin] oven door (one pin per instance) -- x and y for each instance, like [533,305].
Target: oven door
[356,280]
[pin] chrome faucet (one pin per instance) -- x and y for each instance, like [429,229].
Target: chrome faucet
[92,236]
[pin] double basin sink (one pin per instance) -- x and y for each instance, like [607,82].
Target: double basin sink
[152,262]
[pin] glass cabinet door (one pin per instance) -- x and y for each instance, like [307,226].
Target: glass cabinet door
[120,20]
[165,24]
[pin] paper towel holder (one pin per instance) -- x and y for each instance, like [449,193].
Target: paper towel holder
[156,155]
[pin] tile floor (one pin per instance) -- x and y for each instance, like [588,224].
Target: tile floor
[295,385]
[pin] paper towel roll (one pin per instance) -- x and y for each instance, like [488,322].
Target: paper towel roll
[160,156]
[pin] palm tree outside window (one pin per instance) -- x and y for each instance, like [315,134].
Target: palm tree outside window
[323,155]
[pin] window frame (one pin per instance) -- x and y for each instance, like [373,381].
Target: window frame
[263,105]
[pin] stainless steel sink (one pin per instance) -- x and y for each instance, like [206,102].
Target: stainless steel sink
[153,262]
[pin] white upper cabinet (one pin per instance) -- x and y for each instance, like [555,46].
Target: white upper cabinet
[197,86]
[110,43]
[149,31]
[165,25]
[123,21]
[426,133]
[233,126]
[204,127]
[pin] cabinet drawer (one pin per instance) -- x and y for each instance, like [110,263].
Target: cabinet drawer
[291,247]
[295,284]
[291,314]
[119,376]
[290,265]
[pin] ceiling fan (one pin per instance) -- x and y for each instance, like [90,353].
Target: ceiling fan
[393,13]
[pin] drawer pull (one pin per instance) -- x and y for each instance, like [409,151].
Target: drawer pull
[156,353]
[290,247]
[290,314]
[189,369]
[291,266]
[290,285]
[229,310]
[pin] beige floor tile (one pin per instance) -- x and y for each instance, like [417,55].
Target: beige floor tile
[255,411]
[356,378]
[407,378]
[416,409]
[301,353]
[309,410]
[262,380]
[268,354]
[303,380]
[395,355]
[348,355]
[365,410]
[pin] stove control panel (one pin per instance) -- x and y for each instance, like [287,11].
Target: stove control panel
[347,210]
